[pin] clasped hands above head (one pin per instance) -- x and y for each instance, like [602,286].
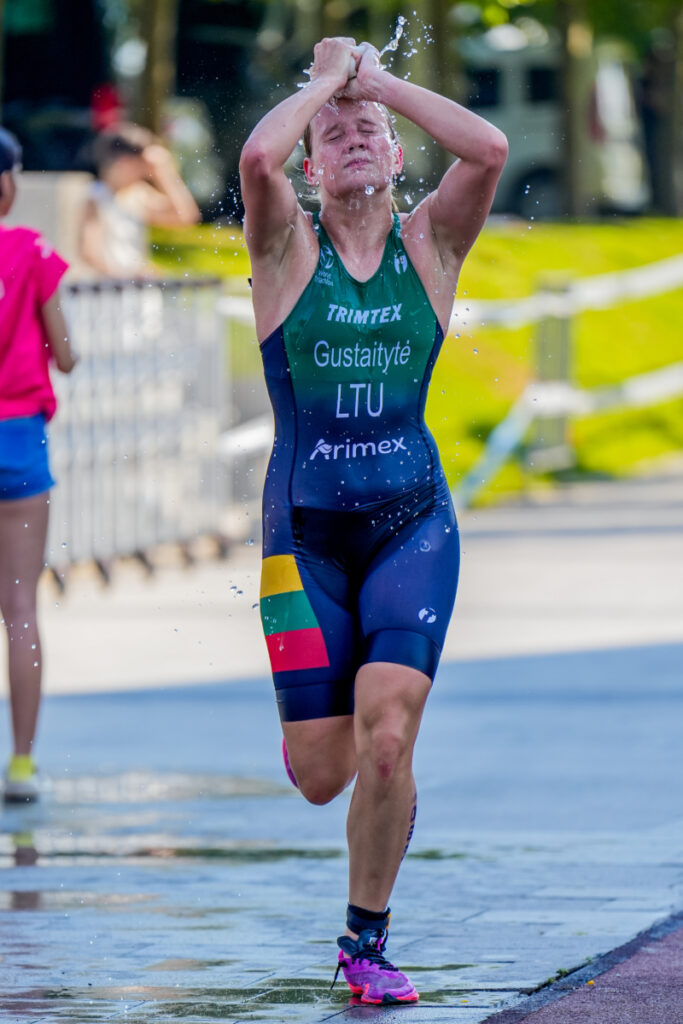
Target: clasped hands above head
[343,55]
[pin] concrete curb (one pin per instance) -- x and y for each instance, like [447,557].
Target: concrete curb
[575,979]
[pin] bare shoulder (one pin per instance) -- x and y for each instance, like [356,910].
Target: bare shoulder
[437,271]
[277,283]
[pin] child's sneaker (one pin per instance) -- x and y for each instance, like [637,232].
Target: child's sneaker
[369,974]
[21,780]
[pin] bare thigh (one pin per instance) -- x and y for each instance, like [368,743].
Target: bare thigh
[23,531]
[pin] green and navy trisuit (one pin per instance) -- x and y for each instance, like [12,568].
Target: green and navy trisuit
[360,541]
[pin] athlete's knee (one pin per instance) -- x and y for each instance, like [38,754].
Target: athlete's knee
[321,787]
[389,702]
[385,747]
[18,610]
[321,755]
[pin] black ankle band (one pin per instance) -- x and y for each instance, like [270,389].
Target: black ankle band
[358,919]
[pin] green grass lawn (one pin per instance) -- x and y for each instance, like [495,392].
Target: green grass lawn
[481,373]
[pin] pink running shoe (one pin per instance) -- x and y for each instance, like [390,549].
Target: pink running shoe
[288,767]
[369,974]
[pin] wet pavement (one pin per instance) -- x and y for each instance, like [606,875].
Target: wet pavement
[171,873]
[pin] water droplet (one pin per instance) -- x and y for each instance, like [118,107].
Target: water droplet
[425,545]
[394,41]
[369,190]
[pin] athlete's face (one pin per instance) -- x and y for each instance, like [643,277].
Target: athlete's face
[352,149]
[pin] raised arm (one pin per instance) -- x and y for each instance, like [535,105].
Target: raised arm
[170,203]
[269,198]
[459,206]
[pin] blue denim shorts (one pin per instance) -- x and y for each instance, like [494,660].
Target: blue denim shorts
[24,464]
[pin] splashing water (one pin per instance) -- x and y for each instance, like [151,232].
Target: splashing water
[392,45]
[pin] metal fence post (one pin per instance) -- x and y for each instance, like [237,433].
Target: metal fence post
[135,442]
[549,446]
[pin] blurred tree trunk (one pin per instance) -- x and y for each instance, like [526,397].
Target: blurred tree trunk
[442,67]
[676,108]
[577,84]
[159,20]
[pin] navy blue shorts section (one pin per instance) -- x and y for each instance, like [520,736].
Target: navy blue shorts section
[381,585]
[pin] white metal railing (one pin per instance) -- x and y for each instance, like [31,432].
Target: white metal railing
[542,399]
[134,442]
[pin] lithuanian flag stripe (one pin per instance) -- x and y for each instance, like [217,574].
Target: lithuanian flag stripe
[279,575]
[298,649]
[284,612]
[293,636]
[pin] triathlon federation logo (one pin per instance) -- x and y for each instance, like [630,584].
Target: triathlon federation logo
[400,263]
[357,449]
[326,257]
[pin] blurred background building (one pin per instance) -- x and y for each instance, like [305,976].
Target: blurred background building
[588,91]
[577,276]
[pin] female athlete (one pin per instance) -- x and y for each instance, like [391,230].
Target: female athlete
[360,542]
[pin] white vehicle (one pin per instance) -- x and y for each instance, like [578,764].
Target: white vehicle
[515,83]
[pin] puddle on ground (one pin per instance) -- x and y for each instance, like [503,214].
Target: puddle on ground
[65,900]
[150,787]
[186,964]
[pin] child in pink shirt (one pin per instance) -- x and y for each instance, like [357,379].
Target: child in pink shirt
[32,334]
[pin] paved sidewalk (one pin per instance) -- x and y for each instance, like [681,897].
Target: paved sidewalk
[173,874]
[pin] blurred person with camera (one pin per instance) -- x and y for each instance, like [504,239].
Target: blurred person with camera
[137,186]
